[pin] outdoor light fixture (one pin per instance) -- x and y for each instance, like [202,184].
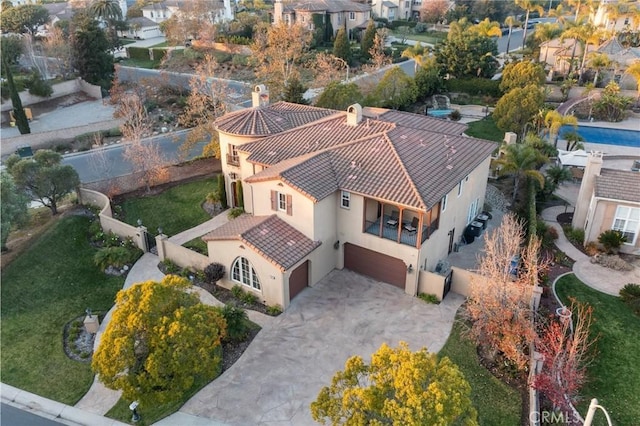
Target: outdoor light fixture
[336,245]
[134,408]
[139,222]
[159,230]
[410,268]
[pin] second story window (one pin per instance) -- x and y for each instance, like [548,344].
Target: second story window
[282,202]
[444,202]
[232,155]
[345,199]
[352,16]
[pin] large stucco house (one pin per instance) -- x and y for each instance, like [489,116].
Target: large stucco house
[383,193]
[609,198]
[161,11]
[346,14]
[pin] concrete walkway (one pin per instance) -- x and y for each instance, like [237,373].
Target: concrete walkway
[595,276]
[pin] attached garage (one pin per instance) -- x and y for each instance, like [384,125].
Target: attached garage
[298,280]
[375,265]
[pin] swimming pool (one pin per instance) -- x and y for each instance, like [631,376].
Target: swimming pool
[439,112]
[605,136]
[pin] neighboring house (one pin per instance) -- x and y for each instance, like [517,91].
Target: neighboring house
[340,13]
[383,193]
[621,58]
[159,12]
[625,20]
[397,9]
[58,12]
[141,28]
[609,199]
[558,54]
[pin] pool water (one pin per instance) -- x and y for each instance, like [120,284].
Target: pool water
[620,137]
[439,112]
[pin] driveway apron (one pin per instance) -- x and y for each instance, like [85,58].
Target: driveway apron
[292,358]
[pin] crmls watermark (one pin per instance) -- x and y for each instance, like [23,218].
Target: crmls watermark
[552,417]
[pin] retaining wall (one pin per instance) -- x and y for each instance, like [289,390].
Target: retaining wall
[181,256]
[59,90]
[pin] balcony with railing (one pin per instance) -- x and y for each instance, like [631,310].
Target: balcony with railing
[404,226]
[233,160]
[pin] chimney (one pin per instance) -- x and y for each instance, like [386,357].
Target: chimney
[354,115]
[592,169]
[510,138]
[260,96]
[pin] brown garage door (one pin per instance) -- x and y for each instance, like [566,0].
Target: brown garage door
[375,265]
[298,280]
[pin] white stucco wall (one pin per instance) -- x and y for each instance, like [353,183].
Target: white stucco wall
[270,276]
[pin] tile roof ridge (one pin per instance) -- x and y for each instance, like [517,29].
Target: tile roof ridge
[406,172]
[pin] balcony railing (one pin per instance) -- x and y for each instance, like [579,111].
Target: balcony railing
[233,160]
[406,237]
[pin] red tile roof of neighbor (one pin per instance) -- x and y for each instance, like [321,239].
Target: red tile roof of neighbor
[404,158]
[618,185]
[270,236]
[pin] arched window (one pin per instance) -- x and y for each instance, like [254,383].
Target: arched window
[242,272]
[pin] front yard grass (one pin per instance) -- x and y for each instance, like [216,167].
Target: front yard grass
[497,403]
[485,129]
[50,283]
[614,375]
[174,210]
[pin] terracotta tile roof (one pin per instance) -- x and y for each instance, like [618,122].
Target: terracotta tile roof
[271,119]
[270,236]
[331,6]
[423,122]
[618,185]
[324,134]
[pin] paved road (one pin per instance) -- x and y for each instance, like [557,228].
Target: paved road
[12,416]
[100,164]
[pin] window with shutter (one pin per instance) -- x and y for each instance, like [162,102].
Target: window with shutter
[274,200]
[289,205]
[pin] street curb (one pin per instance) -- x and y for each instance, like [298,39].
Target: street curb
[53,410]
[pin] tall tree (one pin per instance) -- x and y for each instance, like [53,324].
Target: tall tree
[23,19]
[328,68]
[91,51]
[367,39]
[277,51]
[56,45]
[433,11]
[159,341]
[13,209]
[499,302]
[529,6]
[16,102]
[43,178]
[398,387]
[520,160]
[341,46]
[429,82]
[510,22]
[418,53]
[396,89]
[11,48]
[294,92]
[546,32]
[515,110]
[520,74]
[465,54]
[598,61]
[208,100]
[339,96]
[108,10]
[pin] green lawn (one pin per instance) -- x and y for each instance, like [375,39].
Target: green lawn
[48,285]
[614,375]
[497,403]
[140,63]
[485,129]
[430,37]
[174,210]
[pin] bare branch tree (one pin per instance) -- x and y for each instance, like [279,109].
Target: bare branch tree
[207,101]
[499,301]
[327,68]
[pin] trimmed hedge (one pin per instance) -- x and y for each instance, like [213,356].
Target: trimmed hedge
[474,86]
[141,53]
[158,54]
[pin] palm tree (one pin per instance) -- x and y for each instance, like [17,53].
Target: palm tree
[574,141]
[553,121]
[510,21]
[520,160]
[559,13]
[599,61]
[487,28]
[528,6]
[576,31]
[634,71]
[418,53]
[108,10]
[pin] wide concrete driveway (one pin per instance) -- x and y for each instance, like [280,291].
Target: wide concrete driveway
[290,360]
